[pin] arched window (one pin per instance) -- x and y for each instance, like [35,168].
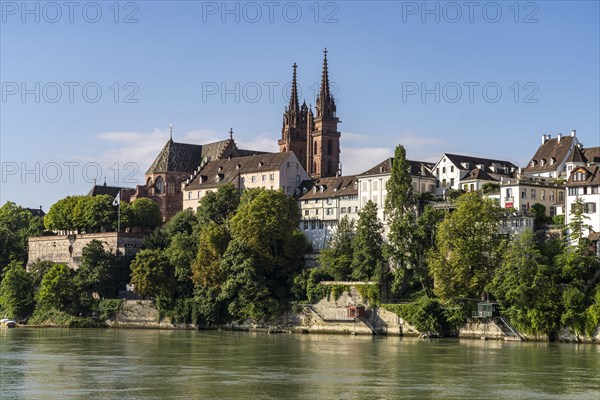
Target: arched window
[315,150]
[171,186]
[284,149]
[329,146]
[159,185]
[314,168]
[148,186]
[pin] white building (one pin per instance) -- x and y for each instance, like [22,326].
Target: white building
[550,159]
[271,171]
[323,203]
[522,192]
[584,183]
[372,184]
[454,171]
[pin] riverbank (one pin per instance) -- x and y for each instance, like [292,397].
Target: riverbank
[328,316]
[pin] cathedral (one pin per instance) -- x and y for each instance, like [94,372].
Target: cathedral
[314,139]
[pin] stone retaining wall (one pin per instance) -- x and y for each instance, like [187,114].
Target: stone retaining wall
[67,249]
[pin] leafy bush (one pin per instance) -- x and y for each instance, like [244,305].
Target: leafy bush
[428,316]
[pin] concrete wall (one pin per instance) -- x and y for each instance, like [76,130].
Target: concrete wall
[67,249]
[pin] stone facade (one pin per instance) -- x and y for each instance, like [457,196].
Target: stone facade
[314,139]
[67,249]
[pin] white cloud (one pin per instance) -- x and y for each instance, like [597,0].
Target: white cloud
[358,160]
[412,141]
[353,137]
[262,142]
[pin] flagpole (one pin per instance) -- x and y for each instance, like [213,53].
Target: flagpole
[119,216]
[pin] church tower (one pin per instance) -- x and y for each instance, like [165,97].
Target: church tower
[293,133]
[324,143]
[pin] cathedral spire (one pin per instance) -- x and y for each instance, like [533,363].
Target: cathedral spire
[171,132]
[325,94]
[294,95]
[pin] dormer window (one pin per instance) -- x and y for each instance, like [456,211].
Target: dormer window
[543,162]
[260,164]
[580,176]
[533,162]
[552,160]
[218,178]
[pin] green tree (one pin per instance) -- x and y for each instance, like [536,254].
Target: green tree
[98,271]
[81,219]
[213,242]
[11,248]
[60,215]
[578,226]
[16,292]
[400,210]
[337,258]
[268,224]
[368,260]
[184,221]
[247,290]
[467,249]
[100,213]
[57,290]
[157,240]
[423,241]
[181,254]
[146,214]
[576,265]
[539,212]
[38,269]
[220,205]
[16,225]
[152,274]
[526,287]
[574,310]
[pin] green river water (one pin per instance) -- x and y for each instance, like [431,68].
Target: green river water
[160,364]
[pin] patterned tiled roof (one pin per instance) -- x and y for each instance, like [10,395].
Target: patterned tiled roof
[177,157]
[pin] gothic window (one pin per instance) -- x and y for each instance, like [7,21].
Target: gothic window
[284,149]
[315,148]
[171,187]
[329,146]
[314,168]
[159,185]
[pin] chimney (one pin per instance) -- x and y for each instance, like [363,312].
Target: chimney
[558,137]
[544,139]
[573,133]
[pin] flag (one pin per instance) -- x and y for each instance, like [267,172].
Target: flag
[117,199]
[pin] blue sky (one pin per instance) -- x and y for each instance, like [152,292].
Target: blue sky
[479,78]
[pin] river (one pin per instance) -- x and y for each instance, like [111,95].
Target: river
[102,364]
